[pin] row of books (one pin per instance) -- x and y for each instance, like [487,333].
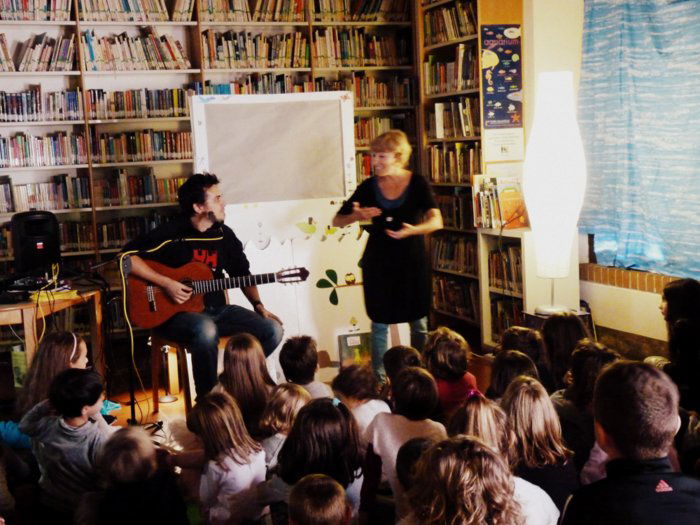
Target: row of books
[371,91]
[368,128]
[39,53]
[456,210]
[505,312]
[333,47]
[33,105]
[456,296]
[361,10]
[6,201]
[498,202]
[363,166]
[116,233]
[53,149]
[449,23]
[506,268]
[123,10]
[148,51]
[141,146]
[61,192]
[279,10]
[456,253]
[454,163]
[35,10]
[123,189]
[5,241]
[458,118]
[138,103]
[224,50]
[458,74]
[260,84]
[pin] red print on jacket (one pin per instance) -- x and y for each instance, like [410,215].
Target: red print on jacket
[206,257]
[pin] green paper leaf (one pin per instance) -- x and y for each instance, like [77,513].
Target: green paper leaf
[324,283]
[334,297]
[332,276]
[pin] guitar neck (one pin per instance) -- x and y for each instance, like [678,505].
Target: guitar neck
[215,285]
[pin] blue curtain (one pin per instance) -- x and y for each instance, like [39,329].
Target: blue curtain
[639,111]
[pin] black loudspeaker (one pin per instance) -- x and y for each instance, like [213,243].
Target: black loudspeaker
[35,241]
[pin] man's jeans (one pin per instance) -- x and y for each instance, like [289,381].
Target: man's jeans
[200,332]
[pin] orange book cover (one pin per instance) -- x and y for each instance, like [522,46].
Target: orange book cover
[512,203]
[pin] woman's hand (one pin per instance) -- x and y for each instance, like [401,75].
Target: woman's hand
[364,214]
[406,231]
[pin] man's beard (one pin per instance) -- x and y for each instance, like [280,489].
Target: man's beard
[215,222]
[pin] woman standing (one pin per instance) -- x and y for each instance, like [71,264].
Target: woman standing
[395,267]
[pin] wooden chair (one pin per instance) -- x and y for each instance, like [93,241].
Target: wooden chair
[158,342]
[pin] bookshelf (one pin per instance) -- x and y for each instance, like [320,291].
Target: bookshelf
[450,153]
[127,69]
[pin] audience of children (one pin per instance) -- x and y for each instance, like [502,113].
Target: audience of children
[278,417]
[358,388]
[318,499]
[299,361]
[308,458]
[539,454]
[246,378]
[446,356]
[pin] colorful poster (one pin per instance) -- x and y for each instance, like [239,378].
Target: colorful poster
[501,76]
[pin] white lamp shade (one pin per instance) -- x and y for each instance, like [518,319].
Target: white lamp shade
[554,173]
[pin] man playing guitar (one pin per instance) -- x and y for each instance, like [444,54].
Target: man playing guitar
[199,234]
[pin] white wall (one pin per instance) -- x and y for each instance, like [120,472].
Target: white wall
[553,34]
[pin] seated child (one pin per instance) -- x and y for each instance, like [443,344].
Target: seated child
[446,355]
[278,417]
[529,342]
[67,438]
[357,387]
[235,463]
[415,397]
[539,454]
[299,362]
[140,487]
[318,499]
[407,459]
[635,407]
[506,366]
[396,359]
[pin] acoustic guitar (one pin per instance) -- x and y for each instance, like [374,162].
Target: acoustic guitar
[149,305]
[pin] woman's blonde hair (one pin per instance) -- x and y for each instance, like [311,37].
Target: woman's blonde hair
[393,141]
[285,402]
[217,420]
[246,378]
[56,353]
[482,418]
[535,424]
[463,481]
[127,457]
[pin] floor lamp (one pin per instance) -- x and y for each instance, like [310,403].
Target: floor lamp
[554,178]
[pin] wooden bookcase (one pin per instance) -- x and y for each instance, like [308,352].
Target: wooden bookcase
[373,114]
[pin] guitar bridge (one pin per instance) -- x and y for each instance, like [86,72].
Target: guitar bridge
[151,298]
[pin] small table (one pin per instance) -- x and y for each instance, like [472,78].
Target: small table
[27,314]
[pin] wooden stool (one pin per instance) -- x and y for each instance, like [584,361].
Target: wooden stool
[157,344]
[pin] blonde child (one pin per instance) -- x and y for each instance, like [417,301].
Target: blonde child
[246,378]
[278,417]
[235,462]
[539,454]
